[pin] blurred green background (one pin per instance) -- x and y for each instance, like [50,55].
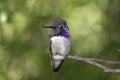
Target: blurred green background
[24,45]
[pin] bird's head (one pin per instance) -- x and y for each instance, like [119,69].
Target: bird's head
[59,27]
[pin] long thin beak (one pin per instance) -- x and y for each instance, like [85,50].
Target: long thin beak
[48,27]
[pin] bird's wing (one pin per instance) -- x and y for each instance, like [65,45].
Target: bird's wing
[55,64]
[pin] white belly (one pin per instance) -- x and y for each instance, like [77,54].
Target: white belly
[60,46]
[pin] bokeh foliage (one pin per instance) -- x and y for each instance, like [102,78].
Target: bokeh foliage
[24,45]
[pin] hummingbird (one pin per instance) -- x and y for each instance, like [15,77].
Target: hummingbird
[60,42]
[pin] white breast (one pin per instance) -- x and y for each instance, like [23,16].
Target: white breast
[60,46]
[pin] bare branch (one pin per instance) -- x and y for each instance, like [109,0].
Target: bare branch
[94,61]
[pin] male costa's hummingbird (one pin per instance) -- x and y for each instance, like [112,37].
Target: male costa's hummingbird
[60,43]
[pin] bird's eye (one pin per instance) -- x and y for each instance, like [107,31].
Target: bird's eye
[61,26]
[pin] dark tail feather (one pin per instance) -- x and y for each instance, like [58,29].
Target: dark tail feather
[57,64]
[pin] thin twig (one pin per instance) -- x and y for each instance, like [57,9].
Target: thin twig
[94,61]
